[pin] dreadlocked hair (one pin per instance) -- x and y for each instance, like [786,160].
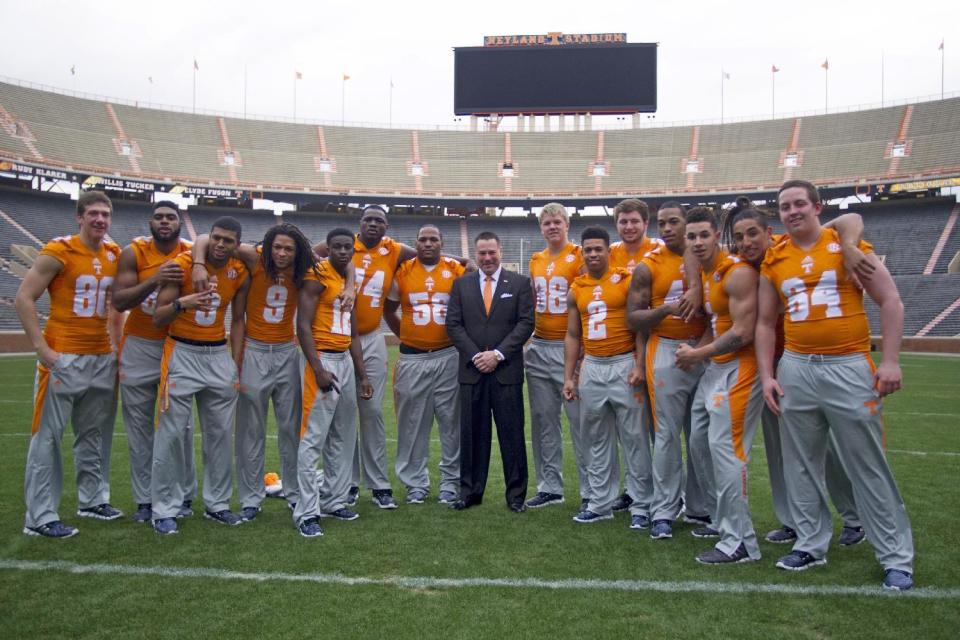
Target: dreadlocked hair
[762,219]
[742,203]
[303,261]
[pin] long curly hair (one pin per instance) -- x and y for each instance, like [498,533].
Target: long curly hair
[303,260]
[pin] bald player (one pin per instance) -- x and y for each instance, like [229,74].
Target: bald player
[425,376]
[332,381]
[146,265]
[552,271]
[827,385]
[197,363]
[76,369]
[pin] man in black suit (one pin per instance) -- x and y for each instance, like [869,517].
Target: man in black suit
[489,318]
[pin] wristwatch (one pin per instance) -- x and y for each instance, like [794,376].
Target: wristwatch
[177,307]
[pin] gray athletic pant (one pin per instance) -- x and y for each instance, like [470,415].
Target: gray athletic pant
[269,371]
[371,452]
[82,390]
[425,386]
[838,484]
[139,381]
[610,408]
[210,375]
[825,395]
[544,363]
[330,431]
[671,391]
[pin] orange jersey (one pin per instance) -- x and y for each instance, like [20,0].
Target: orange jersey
[823,309]
[271,305]
[424,295]
[667,284]
[620,258]
[375,269]
[717,301]
[78,295]
[207,326]
[331,325]
[552,276]
[149,260]
[603,313]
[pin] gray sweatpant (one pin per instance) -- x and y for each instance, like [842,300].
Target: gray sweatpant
[139,382]
[544,364]
[370,454]
[209,375]
[82,390]
[671,391]
[269,371]
[425,387]
[330,431]
[824,395]
[610,408]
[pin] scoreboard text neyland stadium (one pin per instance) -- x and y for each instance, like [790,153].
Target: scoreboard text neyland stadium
[554,38]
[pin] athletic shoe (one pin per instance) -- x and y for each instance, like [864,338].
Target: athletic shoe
[416,496]
[639,522]
[896,580]
[694,519]
[249,513]
[383,498]
[447,497]
[661,530]
[622,503]
[705,532]
[186,509]
[715,556]
[589,517]
[583,503]
[226,517]
[783,535]
[165,526]
[341,514]
[55,529]
[851,536]
[143,514]
[352,496]
[100,512]
[799,561]
[544,499]
[310,528]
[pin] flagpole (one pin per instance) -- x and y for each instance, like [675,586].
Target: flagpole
[941,68]
[294,95]
[773,92]
[343,102]
[390,111]
[194,85]
[245,91]
[723,75]
[882,78]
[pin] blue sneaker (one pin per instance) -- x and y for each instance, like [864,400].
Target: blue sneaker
[165,526]
[352,496]
[144,513]
[661,530]
[416,496]
[690,518]
[705,532]
[310,528]
[100,512]
[249,513]
[544,499]
[589,517]
[783,535]
[226,517]
[341,514]
[55,529]
[715,556]
[186,509]
[799,561]
[896,580]
[383,498]
[622,503]
[639,522]
[851,536]
[447,497]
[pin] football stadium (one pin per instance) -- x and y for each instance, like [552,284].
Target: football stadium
[407,546]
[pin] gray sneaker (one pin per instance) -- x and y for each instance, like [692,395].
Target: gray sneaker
[851,536]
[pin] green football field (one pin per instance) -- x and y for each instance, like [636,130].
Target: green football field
[426,571]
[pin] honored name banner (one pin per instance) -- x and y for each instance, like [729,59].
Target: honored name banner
[553,39]
[29,170]
[103,182]
[923,185]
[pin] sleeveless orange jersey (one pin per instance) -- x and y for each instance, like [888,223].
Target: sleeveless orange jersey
[149,260]
[424,295]
[78,295]
[271,305]
[375,269]
[620,258]
[667,284]
[603,313]
[552,276]
[207,326]
[823,309]
[331,325]
[717,302]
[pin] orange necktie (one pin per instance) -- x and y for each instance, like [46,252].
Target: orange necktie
[488,294]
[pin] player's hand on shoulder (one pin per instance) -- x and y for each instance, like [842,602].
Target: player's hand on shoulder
[858,265]
[889,378]
[347,298]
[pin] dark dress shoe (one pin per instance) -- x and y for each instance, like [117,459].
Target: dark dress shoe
[460,505]
[517,507]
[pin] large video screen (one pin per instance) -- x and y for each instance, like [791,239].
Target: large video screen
[619,78]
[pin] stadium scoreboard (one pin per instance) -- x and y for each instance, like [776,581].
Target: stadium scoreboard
[555,73]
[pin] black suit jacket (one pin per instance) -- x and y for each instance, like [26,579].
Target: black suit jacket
[506,329]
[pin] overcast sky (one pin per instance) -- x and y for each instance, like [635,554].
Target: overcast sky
[116,45]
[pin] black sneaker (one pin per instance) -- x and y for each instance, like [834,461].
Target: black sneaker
[799,561]
[144,513]
[186,509]
[705,532]
[851,536]
[352,496]
[622,503]
[383,498]
[100,512]
[226,517]
[249,513]
[589,517]
[55,529]
[783,535]
[543,499]
[341,514]
[583,503]
[715,556]
[310,528]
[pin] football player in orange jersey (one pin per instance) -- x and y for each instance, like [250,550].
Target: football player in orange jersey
[728,402]
[145,266]
[332,382]
[425,376]
[76,369]
[197,363]
[610,381]
[552,271]
[826,385]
